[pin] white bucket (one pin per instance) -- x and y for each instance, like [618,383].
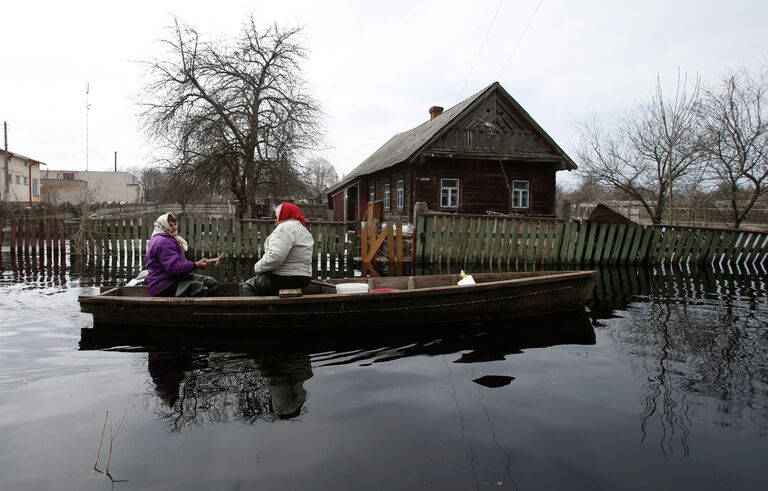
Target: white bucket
[352,288]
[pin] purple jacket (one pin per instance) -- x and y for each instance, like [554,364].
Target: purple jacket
[166,263]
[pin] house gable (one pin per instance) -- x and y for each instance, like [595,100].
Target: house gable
[497,126]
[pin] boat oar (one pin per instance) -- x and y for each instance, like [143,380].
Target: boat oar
[323,283]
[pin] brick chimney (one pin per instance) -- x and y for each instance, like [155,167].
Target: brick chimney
[435,111]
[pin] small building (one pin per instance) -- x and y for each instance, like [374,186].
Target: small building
[62,186]
[23,177]
[485,154]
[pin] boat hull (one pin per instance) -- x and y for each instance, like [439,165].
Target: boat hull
[485,301]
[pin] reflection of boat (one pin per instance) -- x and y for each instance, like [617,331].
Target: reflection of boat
[476,341]
[408,300]
[208,376]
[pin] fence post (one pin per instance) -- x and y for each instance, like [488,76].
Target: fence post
[419,232]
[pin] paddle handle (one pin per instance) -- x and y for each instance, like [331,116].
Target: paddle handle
[323,283]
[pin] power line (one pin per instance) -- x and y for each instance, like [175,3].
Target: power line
[481,49]
[520,39]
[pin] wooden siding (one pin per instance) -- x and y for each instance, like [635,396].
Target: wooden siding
[338,206]
[483,187]
[493,127]
[391,176]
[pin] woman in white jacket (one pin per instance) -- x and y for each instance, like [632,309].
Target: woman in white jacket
[287,259]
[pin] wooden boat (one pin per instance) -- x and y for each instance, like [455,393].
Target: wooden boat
[406,301]
[476,340]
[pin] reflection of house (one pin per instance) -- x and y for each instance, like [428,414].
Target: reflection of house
[61,186]
[23,176]
[484,154]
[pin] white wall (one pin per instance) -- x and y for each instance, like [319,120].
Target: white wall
[24,174]
[93,186]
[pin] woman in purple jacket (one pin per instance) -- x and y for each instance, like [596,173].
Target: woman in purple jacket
[169,272]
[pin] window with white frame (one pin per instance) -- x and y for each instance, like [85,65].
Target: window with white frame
[25,180]
[18,181]
[520,194]
[449,193]
[386,196]
[400,194]
[35,190]
[372,194]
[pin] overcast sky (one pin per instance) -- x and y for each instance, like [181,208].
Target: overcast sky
[375,67]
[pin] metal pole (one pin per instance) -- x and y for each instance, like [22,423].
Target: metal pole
[7,187]
[115,161]
[87,108]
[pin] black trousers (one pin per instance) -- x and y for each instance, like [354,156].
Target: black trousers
[271,284]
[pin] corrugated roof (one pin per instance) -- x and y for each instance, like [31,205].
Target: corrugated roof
[21,157]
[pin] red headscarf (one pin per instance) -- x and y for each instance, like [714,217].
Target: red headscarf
[290,211]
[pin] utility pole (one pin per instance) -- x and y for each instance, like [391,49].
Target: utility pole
[671,208]
[87,109]
[7,187]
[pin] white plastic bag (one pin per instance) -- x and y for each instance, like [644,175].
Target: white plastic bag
[466,279]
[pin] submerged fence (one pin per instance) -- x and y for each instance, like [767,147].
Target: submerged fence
[125,240]
[41,237]
[496,242]
[451,239]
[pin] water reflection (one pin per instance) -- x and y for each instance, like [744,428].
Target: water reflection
[691,334]
[199,389]
[205,377]
[695,341]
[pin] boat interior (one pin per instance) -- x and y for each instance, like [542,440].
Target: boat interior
[381,284]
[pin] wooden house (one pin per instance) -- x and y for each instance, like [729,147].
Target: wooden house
[485,154]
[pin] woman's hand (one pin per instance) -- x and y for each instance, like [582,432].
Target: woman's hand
[202,264]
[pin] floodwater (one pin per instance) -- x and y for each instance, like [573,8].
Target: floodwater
[661,383]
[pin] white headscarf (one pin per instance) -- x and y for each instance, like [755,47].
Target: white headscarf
[163,227]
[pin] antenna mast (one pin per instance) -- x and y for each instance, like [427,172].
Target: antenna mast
[87,109]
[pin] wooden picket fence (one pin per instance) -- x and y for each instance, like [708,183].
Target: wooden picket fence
[496,242]
[127,239]
[45,237]
[503,242]
[207,237]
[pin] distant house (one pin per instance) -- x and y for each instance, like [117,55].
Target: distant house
[62,186]
[485,154]
[23,176]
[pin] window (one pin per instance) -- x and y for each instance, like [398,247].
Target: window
[449,193]
[372,194]
[35,190]
[400,194]
[386,196]
[519,194]
[25,180]
[18,181]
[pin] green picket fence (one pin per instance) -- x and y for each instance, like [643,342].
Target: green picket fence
[503,242]
[207,237]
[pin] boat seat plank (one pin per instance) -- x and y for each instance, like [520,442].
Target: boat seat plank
[289,292]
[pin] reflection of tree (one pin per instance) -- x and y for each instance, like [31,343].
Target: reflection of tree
[660,398]
[694,334]
[201,389]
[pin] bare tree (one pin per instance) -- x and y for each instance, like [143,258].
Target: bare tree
[234,111]
[154,183]
[735,117]
[319,175]
[649,151]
